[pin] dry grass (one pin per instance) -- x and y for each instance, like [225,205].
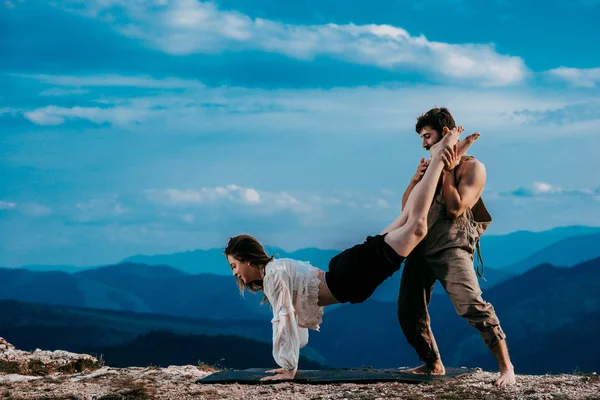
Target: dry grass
[81,365]
[9,367]
[207,368]
[127,388]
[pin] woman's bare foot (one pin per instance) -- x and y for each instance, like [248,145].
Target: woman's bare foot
[437,368]
[449,140]
[463,145]
[507,377]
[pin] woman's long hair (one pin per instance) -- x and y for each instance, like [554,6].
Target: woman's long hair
[247,249]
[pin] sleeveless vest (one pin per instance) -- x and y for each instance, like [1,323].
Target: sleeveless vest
[463,232]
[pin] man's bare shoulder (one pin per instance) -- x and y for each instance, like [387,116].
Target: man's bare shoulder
[471,167]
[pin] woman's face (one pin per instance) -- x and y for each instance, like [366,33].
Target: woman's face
[244,270]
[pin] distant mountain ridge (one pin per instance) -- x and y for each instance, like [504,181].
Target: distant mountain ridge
[166,290]
[513,253]
[47,268]
[137,288]
[501,251]
[567,252]
[498,251]
[538,310]
[130,339]
[213,261]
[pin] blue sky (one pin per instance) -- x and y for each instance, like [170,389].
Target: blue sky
[160,126]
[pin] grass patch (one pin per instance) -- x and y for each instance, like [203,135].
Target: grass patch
[138,393]
[80,365]
[127,389]
[37,367]
[207,368]
[10,367]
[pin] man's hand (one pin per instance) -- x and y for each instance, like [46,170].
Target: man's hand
[451,158]
[421,170]
[280,375]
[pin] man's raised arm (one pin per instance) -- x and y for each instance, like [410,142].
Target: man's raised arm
[471,181]
[415,179]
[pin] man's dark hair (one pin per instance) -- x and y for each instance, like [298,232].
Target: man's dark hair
[436,118]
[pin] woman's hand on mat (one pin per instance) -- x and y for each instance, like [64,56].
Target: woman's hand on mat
[421,170]
[280,374]
[451,158]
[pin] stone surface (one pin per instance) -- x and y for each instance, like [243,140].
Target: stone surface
[179,382]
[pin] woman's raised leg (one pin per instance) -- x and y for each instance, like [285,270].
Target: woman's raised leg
[405,237]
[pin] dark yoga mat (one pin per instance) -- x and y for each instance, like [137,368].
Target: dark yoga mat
[341,375]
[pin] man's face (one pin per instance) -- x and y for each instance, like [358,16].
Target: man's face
[430,137]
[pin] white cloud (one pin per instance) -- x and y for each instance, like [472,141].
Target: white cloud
[34,209]
[376,203]
[43,117]
[228,194]
[325,200]
[252,196]
[582,77]
[109,80]
[381,203]
[188,26]
[55,115]
[189,218]
[186,197]
[101,207]
[312,208]
[361,110]
[9,110]
[571,115]
[7,205]
[30,209]
[220,207]
[63,92]
[547,190]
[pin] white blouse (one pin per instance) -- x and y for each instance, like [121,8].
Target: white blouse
[292,288]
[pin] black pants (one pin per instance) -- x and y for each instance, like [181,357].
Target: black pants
[355,273]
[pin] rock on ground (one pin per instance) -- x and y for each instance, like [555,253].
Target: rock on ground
[63,375]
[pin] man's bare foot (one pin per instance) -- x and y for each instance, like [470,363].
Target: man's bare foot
[507,378]
[436,368]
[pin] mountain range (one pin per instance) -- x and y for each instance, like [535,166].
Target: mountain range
[130,339]
[137,288]
[546,308]
[541,306]
[168,290]
[513,253]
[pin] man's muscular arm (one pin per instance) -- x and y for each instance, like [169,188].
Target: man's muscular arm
[471,180]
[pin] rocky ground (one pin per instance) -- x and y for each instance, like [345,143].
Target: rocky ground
[63,375]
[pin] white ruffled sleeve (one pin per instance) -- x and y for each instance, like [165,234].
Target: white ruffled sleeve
[287,338]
